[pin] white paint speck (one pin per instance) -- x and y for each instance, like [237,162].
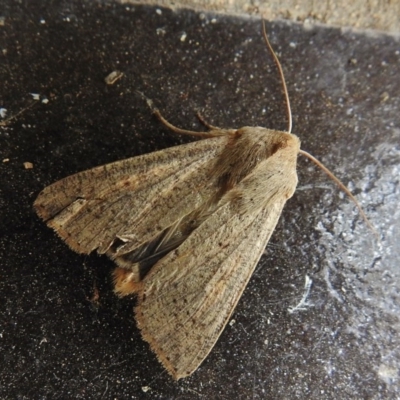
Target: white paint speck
[303,303]
[387,373]
[161,31]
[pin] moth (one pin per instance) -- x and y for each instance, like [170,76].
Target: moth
[186,227]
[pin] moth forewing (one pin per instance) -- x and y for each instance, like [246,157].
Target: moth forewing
[91,209]
[188,296]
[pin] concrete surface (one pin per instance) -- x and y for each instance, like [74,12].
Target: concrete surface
[359,14]
[63,334]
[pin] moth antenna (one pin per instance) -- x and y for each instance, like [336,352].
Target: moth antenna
[304,153]
[341,186]
[282,77]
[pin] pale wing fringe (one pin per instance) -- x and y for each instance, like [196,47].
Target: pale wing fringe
[187,298]
[82,208]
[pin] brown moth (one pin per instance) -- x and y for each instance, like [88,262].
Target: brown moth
[185,225]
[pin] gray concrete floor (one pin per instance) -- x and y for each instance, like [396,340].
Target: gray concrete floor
[359,14]
[65,335]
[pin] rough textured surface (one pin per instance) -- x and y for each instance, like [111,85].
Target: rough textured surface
[63,333]
[361,14]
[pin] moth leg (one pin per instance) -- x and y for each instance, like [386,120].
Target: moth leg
[126,282]
[206,124]
[214,131]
